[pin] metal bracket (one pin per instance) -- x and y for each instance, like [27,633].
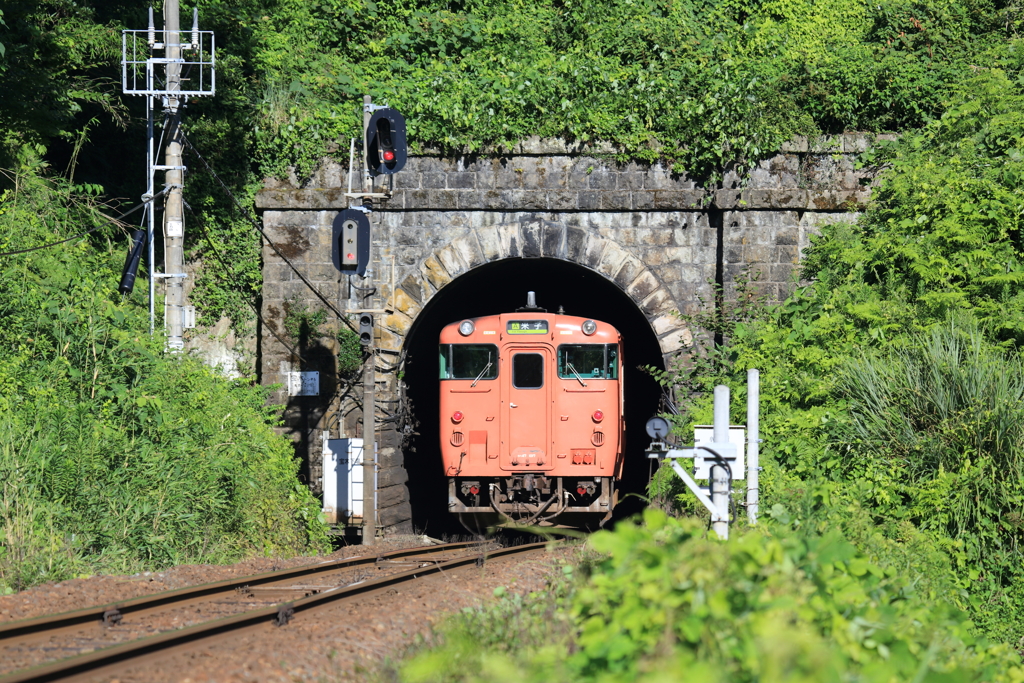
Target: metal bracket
[170,168]
[170,274]
[370,108]
[721,450]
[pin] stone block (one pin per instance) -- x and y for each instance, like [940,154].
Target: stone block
[727,199]
[562,200]
[601,178]
[511,241]
[643,285]
[786,254]
[469,250]
[675,341]
[433,181]
[774,199]
[531,239]
[461,180]
[665,323]
[399,323]
[396,518]
[627,272]
[394,476]
[659,302]
[594,252]
[660,177]
[552,237]
[787,236]
[405,303]
[611,259]
[537,145]
[575,244]
[451,259]
[434,272]
[855,143]
[389,496]
[797,144]
[630,178]
[616,201]
[490,245]
[589,200]
[674,200]
[642,201]
[578,174]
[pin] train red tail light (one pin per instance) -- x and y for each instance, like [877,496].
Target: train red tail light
[582,491]
[598,415]
[457,416]
[474,490]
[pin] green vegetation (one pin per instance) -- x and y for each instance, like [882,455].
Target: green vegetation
[114,455]
[665,603]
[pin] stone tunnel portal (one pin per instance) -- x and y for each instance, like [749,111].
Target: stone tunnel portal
[501,287]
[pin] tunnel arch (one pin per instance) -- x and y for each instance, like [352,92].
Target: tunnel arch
[488,271]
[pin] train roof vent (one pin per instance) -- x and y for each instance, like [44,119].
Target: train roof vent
[531,304]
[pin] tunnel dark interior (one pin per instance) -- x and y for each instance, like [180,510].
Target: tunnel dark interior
[501,287]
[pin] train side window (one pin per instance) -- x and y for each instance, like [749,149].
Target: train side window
[468,361]
[528,371]
[588,361]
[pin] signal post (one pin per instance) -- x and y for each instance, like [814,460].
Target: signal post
[384,153]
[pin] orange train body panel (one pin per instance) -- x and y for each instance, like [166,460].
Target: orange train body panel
[516,413]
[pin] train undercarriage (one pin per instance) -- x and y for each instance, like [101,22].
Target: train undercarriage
[525,499]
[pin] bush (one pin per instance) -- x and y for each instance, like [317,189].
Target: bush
[114,454]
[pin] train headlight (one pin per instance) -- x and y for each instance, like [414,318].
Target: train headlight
[466,328]
[589,327]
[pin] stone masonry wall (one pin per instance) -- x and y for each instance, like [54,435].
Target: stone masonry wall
[658,235]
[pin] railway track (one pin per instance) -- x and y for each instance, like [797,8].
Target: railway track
[109,638]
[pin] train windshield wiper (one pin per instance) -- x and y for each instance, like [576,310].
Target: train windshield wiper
[573,371]
[483,372]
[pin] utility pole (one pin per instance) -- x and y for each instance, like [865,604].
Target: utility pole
[369,372]
[174,223]
[140,75]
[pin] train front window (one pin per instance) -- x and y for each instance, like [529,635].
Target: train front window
[528,371]
[588,361]
[469,361]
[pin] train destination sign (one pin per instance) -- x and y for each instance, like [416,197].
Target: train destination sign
[527,327]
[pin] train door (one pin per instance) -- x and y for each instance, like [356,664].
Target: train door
[528,409]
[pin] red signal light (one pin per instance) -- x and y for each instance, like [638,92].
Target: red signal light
[389,155]
[474,490]
[598,416]
[582,491]
[457,416]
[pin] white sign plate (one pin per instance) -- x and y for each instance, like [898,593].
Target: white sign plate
[304,383]
[705,435]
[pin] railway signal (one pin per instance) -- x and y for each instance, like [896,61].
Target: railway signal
[366,329]
[350,241]
[385,142]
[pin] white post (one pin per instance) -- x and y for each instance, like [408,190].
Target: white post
[720,480]
[753,441]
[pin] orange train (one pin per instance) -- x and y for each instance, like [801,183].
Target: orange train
[532,426]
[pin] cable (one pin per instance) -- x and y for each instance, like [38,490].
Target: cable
[87,232]
[341,316]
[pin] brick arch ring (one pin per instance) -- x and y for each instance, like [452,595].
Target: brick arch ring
[536,239]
